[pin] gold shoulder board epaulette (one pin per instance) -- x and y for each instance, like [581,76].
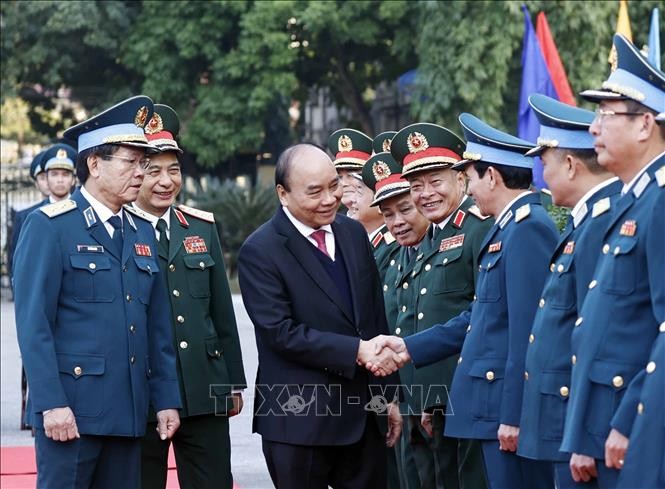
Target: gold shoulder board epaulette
[137,212]
[388,238]
[660,176]
[600,207]
[522,212]
[203,215]
[476,212]
[57,208]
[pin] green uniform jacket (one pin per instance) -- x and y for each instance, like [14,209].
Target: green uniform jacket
[209,359]
[385,248]
[438,284]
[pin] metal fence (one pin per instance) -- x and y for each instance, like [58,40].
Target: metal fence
[17,191]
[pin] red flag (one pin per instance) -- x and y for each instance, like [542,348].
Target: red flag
[553,61]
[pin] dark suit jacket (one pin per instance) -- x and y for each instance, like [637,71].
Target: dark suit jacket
[309,389]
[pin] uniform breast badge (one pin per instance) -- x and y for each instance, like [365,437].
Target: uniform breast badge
[494,247]
[195,244]
[142,249]
[628,228]
[569,248]
[451,243]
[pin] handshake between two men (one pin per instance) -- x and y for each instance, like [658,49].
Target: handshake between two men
[383,355]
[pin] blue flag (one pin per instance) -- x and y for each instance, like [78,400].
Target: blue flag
[654,40]
[535,79]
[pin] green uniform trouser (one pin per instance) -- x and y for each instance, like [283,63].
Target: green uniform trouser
[202,449]
[444,462]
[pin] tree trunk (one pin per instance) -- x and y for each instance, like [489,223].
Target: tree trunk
[352,96]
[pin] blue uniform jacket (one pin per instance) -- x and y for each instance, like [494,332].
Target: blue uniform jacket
[547,377]
[493,332]
[620,317]
[19,220]
[93,327]
[645,463]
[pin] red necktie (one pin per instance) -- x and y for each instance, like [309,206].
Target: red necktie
[320,238]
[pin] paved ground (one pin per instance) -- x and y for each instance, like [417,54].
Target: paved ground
[249,468]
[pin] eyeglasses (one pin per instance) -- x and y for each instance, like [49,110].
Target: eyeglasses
[141,163]
[601,113]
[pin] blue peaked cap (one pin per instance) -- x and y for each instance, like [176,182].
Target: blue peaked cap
[59,156]
[36,165]
[634,79]
[489,145]
[561,125]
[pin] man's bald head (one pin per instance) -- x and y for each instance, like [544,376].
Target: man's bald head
[297,156]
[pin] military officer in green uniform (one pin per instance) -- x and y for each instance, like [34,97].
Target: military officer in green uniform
[209,361]
[350,149]
[403,220]
[435,284]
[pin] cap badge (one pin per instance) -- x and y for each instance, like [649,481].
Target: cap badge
[381,171]
[416,142]
[61,154]
[386,145]
[141,116]
[344,144]
[155,125]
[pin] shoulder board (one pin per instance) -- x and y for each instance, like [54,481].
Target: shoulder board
[57,208]
[137,212]
[600,207]
[660,176]
[474,210]
[203,215]
[388,238]
[522,212]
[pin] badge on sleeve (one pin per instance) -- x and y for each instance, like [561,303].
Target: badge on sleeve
[628,228]
[195,244]
[142,249]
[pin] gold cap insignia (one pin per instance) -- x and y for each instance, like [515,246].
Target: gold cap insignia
[386,145]
[467,155]
[141,116]
[155,125]
[344,143]
[416,142]
[381,171]
[61,154]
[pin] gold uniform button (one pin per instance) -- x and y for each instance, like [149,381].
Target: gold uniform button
[651,367]
[132,328]
[92,266]
[468,328]
[399,267]
[526,375]
[640,408]
[403,308]
[176,293]
[420,315]
[184,345]
[180,319]
[573,359]
[489,375]
[172,267]
[398,331]
[132,359]
[405,285]
[413,274]
[474,297]
[445,260]
[532,338]
[541,304]
[459,360]
[579,321]
[552,267]
[202,265]
[592,284]
[392,263]
[385,288]
[559,268]
[606,249]
[564,391]
[217,353]
[617,250]
[423,291]
[661,328]
[480,268]
[78,370]
[617,381]
[129,298]
[428,267]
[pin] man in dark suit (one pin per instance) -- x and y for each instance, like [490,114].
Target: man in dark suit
[312,290]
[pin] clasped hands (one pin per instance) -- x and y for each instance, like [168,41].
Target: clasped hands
[383,355]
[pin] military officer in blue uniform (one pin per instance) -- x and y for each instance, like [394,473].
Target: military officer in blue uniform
[436,284]
[350,149]
[92,314]
[209,360]
[625,304]
[486,394]
[578,183]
